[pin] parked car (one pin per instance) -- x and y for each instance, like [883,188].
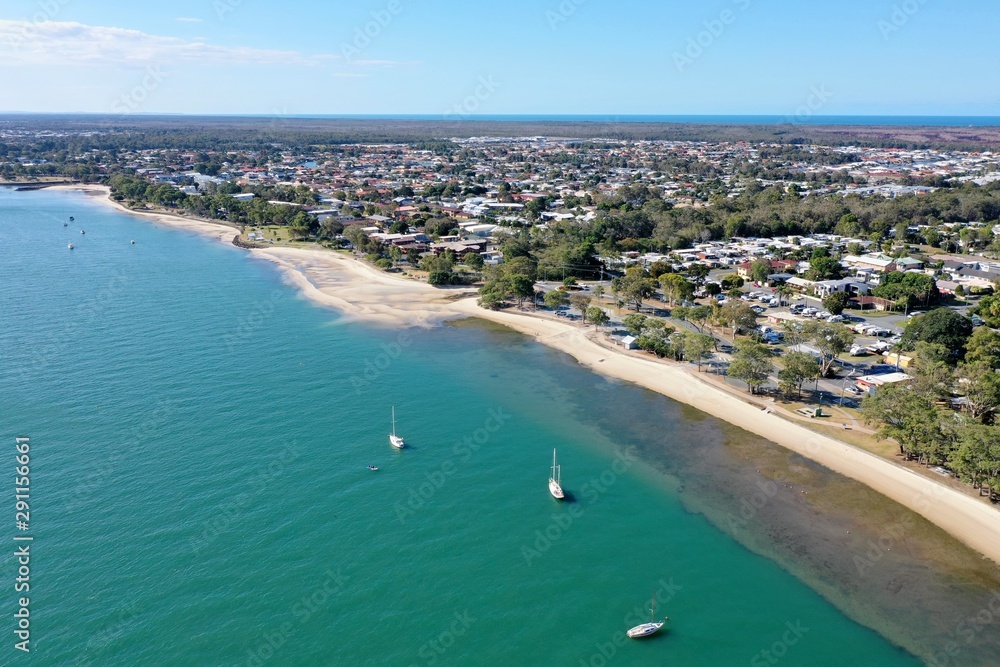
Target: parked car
[835,318]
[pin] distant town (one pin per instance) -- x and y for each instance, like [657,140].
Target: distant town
[859,277]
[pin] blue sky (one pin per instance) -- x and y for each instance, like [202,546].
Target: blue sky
[879,57]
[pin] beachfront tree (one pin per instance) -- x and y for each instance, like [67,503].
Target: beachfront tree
[438,268]
[983,348]
[942,327]
[981,386]
[635,323]
[752,364]
[682,313]
[976,461]
[522,288]
[494,294]
[597,317]
[799,368]
[933,378]
[831,340]
[698,347]
[556,298]
[473,260]
[357,237]
[395,254]
[837,302]
[676,289]
[738,315]
[910,418]
[581,302]
[635,286]
[656,338]
[699,316]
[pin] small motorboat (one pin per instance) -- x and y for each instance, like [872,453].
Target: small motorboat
[69,245]
[83,231]
[373,468]
[133,242]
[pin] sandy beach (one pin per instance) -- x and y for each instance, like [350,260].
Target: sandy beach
[367,294]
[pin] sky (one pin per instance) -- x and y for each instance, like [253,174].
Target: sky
[462,59]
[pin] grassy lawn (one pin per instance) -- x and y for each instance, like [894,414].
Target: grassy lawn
[276,233]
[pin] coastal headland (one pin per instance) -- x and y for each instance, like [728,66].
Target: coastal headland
[361,292]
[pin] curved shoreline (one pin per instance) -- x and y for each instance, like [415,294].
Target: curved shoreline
[366,294]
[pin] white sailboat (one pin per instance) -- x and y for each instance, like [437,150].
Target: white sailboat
[647,629]
[395,440]
[555,479]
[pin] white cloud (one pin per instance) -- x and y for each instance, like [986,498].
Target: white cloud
[382,63]
[61,43]
[185,19]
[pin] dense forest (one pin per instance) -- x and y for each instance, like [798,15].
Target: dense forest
[190,132]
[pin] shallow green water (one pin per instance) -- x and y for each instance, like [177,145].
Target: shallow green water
[200,437]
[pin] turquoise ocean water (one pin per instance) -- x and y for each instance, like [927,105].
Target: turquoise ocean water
[200,436]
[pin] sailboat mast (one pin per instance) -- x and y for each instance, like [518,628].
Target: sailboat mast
[394,420]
